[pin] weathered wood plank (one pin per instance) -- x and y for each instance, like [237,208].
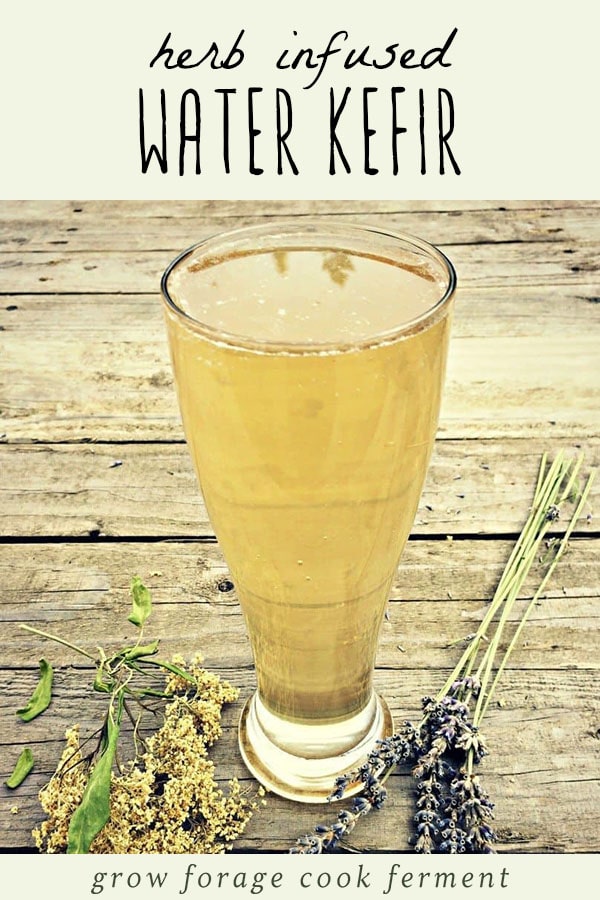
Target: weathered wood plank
[77,490]
[93,365]
[133,229]
[30,210]
[554,311]
[543,294]
[438,598]
[542,771]
[67,386]
[477,265]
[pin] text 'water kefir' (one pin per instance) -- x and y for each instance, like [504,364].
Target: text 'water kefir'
[311,428]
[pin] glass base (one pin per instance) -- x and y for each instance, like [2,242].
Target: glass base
[301,762]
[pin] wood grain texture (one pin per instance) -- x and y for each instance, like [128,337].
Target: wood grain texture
[114,270]
[96,486]
[124,489]
[97,367]
[438,597]
[544,731]
[131,227]
[539,765]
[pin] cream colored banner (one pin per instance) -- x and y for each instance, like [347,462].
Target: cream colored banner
[266,100]
[271,876]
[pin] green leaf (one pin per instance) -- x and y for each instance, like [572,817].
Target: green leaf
[93,812]
[139,652]
[150,692]
[172,668]
[21,770]
[104,687]
[141,602]
[41,697]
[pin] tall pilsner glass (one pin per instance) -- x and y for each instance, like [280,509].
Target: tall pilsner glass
[309,359]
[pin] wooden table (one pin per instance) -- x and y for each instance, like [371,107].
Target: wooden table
[97,486]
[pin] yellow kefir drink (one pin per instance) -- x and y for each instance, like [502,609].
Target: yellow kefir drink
[309,371]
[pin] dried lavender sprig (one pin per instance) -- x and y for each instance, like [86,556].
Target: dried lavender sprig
[466,827]
[427,818]
[463,823]
[402,746]
[545,509]
[443,823]
[448,821]
[327,837]
[548,496]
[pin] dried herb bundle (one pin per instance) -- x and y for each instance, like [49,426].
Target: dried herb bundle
[453,812]
[165,800]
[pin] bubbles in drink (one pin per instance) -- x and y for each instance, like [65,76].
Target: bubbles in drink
[304,295]
[311,463]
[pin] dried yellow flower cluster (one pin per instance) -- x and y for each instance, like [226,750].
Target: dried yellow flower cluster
[167,799]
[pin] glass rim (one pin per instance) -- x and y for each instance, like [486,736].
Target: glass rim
[217,241]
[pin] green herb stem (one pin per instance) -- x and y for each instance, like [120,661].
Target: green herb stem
[554,497]
[467,660]
[549,492]
[562,546]
[59,640]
